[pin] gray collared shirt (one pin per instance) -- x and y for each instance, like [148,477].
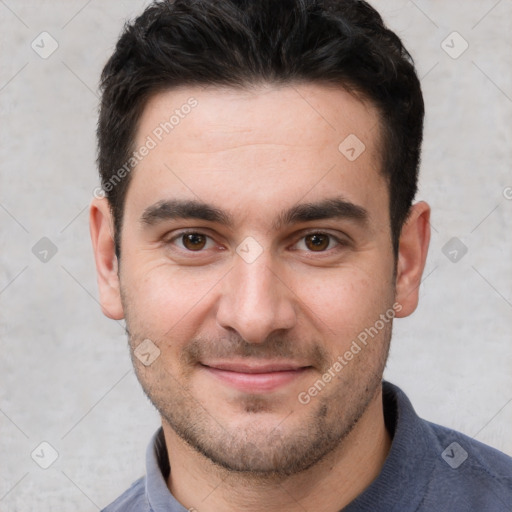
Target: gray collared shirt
[429,468]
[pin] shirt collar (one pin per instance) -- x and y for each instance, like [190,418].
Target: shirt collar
[157,470]
[402,481]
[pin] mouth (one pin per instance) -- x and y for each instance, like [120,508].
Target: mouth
[255,377]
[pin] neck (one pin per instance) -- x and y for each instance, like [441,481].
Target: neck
[331,484]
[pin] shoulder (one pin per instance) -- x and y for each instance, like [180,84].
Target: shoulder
[468,474]
[480,456]
[432,467]
[133,499]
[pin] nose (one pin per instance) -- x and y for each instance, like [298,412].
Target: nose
[255,299]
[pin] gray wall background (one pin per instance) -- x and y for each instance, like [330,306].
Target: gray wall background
[65,372]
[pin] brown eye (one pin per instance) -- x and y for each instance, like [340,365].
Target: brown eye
[194,241]
[317,242]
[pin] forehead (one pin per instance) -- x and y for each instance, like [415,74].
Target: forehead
[264,112]
[228,144]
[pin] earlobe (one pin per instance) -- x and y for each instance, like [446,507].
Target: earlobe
[101,229]
[412,255]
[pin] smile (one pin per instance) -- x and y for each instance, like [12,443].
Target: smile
[255,378]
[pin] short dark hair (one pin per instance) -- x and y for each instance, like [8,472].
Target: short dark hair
[240,43]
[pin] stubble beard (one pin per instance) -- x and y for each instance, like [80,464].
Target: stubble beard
[290,446]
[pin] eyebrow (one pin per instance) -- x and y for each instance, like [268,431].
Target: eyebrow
[332,208]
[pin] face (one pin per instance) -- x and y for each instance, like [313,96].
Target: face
[255,255]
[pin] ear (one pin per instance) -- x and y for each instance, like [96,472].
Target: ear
[412,255]
[102,236]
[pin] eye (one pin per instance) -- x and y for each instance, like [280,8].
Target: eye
[195,241]
[191,241]
[318,242]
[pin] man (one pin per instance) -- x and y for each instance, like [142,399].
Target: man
[258,235]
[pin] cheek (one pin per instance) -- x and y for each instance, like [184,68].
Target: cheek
[165,301]
[345,302]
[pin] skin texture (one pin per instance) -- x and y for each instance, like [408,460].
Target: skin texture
[302,301]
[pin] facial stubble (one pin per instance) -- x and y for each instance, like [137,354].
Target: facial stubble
[296,441]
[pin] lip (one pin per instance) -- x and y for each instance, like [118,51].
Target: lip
[255,377]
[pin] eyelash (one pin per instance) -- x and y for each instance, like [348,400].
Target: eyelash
[340,243]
